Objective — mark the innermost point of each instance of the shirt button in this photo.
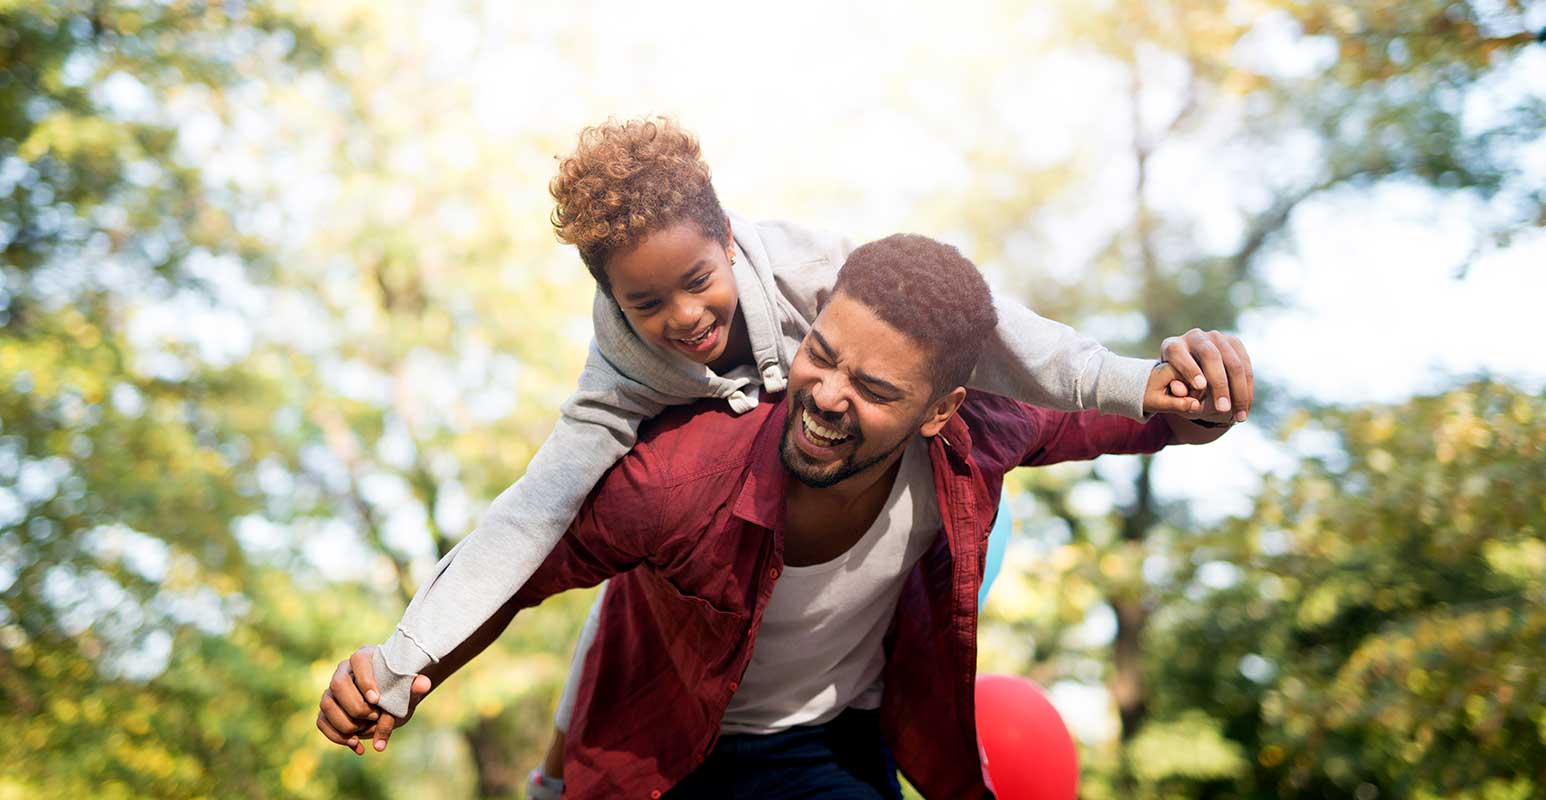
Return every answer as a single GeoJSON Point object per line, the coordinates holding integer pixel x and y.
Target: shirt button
{"type": "Point", "coordinates": [655, 795]}
{"type": "Point", "coordinates": [773, 573]}
{"type": "Point", "coordinates": [698, 758]}
{"type": "Point", "coordinates": [734, 686]}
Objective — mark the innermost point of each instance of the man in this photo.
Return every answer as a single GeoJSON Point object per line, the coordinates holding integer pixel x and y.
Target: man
{"type": "Point", "coordinates": [777, 636]}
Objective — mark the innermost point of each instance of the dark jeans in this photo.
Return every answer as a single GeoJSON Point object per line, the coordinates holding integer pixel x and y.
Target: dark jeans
{"type": "Point", "coordinates": [844, 759]}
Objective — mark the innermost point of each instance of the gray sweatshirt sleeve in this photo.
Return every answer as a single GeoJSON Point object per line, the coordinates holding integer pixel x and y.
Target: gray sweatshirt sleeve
{"type": "Point", "coordinates": [1038, 361]}
{"type": "Point", "coordinates": [598, 425]}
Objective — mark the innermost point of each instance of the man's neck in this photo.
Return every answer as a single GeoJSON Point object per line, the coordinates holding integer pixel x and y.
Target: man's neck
{"type": "Point", "coordinates": [822, 524]}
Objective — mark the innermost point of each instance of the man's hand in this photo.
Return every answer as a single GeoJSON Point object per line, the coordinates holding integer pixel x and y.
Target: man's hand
{"type": "Point", "coordinates": [346, 714]}
{"type": "Point", "coordinates": [1206, 374]}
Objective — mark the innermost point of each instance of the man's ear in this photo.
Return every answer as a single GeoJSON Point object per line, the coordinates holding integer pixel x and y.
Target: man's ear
{"type": "Point", "coordinates": [729, 235]}
{"type": "Point", "coordinates": [941, 410]}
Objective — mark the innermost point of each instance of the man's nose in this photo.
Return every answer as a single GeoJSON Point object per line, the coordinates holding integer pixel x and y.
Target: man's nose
{"type": "Point", "coordinates": [830, 397]}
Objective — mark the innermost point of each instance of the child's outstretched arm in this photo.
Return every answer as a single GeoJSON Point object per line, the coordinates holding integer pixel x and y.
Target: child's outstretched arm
{"type": "Point", "coordinates": [1031, 359]}
{"type": "Point", "coordinates": [599, 424]}
{"type": "Point", "coordinates": [1046, 363]}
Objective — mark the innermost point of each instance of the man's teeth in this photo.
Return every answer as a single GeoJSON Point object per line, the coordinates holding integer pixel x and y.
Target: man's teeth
{"type": "Point", "coordinates": [830, 436]}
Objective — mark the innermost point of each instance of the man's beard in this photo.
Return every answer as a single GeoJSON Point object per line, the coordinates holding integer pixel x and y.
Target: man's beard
{"type": "Point", "coordinates": [797, 462]}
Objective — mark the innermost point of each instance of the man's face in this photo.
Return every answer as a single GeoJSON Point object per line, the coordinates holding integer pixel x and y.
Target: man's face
{"type": "Point", "coordinates": [676, 289]}
{"type": "Point", "coordinates": [859, 390]}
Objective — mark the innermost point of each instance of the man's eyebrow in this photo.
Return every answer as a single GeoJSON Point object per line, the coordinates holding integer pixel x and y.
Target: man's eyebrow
{"type": "Point", "coordinates": [820, 340]}
{"type": "Point", "coordinates": [882, 385]}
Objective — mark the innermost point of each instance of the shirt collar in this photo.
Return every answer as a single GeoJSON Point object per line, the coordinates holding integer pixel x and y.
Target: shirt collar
{"type": "Point", "coordinates": [767, 482]}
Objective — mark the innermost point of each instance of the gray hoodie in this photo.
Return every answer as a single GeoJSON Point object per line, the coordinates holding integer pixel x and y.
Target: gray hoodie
{"type": "Point", "coordinates": [784, 274]}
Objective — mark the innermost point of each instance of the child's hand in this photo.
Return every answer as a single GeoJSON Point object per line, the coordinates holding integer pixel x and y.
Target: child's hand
{"type": "Point", "coordinates": [346, 714]}
{"type": "Point", "coordinates": [1206, 374]}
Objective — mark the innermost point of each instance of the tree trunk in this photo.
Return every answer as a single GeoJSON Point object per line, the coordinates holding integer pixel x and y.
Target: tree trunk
{"type": "Point", "coordinates": [499, 777]}
{"type": "Point", "coordinates": [1127, 683]}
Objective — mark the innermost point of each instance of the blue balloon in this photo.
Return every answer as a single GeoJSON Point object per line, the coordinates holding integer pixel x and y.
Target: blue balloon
{"type": "Point", "coordinates": [998, 542]}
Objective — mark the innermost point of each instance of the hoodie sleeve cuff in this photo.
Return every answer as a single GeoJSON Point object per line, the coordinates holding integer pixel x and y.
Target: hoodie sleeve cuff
{"type": "Point", "coordinates": [1120, 385]}
{"type": "Point", "coordinates": [395, 664]}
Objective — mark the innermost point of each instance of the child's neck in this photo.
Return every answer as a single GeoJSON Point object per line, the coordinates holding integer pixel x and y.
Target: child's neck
{"type": "Point", "coordinates": [738, 350]}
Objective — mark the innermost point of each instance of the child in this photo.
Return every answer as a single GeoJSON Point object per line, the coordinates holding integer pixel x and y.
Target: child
{"type": "Point", "coordinates": [694, 303]}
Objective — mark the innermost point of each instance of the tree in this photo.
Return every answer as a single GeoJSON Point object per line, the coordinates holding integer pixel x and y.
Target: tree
{"type": "Point", "coordinates": [124, 462]}
{"type": "Point", "coordinates": [1378, 639]}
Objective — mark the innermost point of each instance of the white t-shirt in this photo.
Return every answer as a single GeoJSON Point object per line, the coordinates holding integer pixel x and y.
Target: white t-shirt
{"type": "Point", "coordinates": [819, 649]}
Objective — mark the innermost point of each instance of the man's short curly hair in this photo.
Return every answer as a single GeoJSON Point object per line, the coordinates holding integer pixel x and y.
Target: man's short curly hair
{"type": "Point", "coordinates": [929, 292]}
{"type": "Point", "coordinates": [627, 180]}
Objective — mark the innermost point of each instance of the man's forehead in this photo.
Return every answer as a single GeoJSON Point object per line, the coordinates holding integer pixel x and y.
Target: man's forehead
{"type": "Point", "coordinates": [853, 331]}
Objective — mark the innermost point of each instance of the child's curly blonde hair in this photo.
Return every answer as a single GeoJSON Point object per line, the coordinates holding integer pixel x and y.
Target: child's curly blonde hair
{"type": "Point", "coordinates": [627, 180]}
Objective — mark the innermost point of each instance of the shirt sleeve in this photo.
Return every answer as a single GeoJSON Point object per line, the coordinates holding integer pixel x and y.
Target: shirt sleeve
{"type": "Point", "coordinates": [1036, 360]}
{"type": "Point", "coordinates": [1060, 436]}
{"type": "Point", "coordinates": [599, 424]}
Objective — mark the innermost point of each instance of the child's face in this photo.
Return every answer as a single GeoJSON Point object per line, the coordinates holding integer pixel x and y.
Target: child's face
{"type": "Point", "coordinates": [676, 289]}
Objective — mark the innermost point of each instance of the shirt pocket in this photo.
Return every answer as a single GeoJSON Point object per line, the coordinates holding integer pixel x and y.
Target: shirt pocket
{"type": "Point", "coordinates": [702, 640]}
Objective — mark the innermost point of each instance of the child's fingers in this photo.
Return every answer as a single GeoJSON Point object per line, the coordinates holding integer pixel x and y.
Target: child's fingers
{"type": "Point", "coordinates": [1168, 404]}
{"type": "Point", "coordinates": [1175, 352]}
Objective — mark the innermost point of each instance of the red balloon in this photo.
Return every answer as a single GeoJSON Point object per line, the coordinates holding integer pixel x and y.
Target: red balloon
{"type": "Point", "coordinates": [1026, 751]}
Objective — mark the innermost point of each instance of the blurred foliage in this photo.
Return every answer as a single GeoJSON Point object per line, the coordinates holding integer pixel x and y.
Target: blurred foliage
{"type": "Point", "coordinates": [1384, 623]}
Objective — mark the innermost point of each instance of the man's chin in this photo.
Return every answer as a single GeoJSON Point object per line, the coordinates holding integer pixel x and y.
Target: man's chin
{"type": "Point", "coordinates": [813, 474]}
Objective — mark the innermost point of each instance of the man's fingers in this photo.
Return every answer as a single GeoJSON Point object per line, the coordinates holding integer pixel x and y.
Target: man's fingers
{"type": "Point", "coordinates": [365, 673]}
{"type": "Point", "coordinates": [347, 694]}
{"type": "Point", "coordinates": [1235, 368]}
{"type": "Point", "coordinates": [1178, 389]}
{"type": "Point", "coordinates": [1175, 352]}
{"type": "Point", "coordinates": [1213, 370]}
{"type": "Point", "coordinates": [384, 728]}
{"type": "Point", "coordinates": [332, 734]}
{"type": "Point", "coordinates": [1248, 396]}
{"type": "Point", "coordinates": [341, 720]}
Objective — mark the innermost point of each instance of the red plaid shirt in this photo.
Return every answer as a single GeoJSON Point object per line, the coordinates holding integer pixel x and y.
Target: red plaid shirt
{"type": "Point", "coordinates": [689, 526]}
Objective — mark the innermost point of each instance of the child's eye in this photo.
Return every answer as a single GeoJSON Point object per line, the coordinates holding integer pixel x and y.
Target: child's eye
{"type": "Point", "coordinates": [650, 305]}
{"type": "Point", "coordinates": [698, 284]}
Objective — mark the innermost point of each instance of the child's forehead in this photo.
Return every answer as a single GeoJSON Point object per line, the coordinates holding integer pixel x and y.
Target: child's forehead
{"type": "Point", "coordinates": [662, 257]}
